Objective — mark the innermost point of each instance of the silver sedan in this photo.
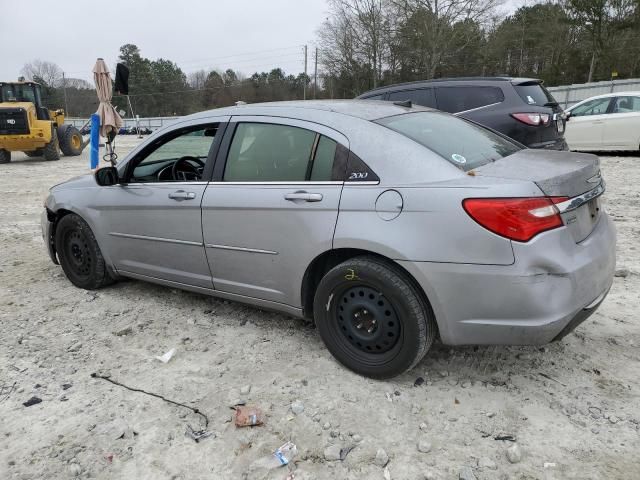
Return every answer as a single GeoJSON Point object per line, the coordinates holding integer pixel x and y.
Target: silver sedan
{"type": "Point", "coordinates": [389, 225]}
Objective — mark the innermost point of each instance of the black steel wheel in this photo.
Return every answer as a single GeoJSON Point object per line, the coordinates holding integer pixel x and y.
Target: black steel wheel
{"type": "Point", "coordinates": [372, 317]}
{"type": "Point", "coordinates": [79, 254]}
{"type": "Point", "coordinates": [367, 319]}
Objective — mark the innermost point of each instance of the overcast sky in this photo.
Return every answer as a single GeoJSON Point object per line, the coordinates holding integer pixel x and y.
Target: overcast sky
{"type": "Point", "coordinates": [246, 35]}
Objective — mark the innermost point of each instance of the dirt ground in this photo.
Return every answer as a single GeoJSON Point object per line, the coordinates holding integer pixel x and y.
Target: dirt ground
{"type": "Point", "coordinates": [573, 408]}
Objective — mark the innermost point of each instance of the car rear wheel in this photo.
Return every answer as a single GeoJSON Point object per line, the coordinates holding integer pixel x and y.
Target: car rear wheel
{"type": "Point", "coordinates": [79, 254]}
{"type": "Point", "coordinates": [372, 318]}
{"type": "Point", "coordinates": [5, 156]}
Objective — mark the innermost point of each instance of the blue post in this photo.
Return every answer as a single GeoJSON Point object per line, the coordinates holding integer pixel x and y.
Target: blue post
{"type": "Point", "coordinates": [95, 141]}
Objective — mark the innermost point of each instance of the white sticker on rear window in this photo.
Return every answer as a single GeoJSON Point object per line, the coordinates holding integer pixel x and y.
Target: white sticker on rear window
{"type": "Point", "coordinates": [456, 157]}
{"type": "Point", "coordinates": [530, 99]}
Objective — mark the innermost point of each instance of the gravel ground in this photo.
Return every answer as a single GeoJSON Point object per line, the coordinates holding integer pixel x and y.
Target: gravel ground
{"type": "Point", "coordinates": [570, 410]}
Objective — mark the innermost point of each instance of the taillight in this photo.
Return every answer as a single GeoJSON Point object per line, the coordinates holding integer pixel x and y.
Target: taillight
{"type": "Point", "coordinates": [518, 219]}
{"type": "Point", "coordinates": [534, 119]}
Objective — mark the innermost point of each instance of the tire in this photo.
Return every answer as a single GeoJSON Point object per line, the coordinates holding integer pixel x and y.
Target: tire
{"type": "Point", "coordinates": [5, 156]}
{"type": "Point", "coordinates": [372, 318]}
{"type": "Point", "coordinates": [79, 254]}
{"type": "Point", "coordinates": [70, 140]}
{"type": "Point", "coordinates": [35, 153]}
{"type": "Point", "coordinates": [51, 150]}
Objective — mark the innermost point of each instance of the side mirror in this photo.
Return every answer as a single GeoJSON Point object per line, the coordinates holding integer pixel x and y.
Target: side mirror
{"type": "Point", "coordinates": [107, 176]}
{"type": "Point", "coordinates": [567, 116]}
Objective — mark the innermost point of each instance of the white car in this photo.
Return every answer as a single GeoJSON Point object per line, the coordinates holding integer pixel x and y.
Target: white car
{"type": "Point", "coordinates": [605, 122]}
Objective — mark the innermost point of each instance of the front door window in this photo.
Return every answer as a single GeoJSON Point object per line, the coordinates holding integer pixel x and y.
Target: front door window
{"type": "Point", "coordinates": [593, 107]}
{"type": "Point", "coordinates": [179, 158]}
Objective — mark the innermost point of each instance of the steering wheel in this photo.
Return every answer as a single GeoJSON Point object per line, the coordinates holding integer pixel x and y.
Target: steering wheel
{"type": "Point", "coordinates": [187, 169]}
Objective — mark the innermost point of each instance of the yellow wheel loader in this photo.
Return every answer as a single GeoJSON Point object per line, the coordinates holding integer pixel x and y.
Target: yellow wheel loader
{"type": "Point", "coordinates": [27, 126]}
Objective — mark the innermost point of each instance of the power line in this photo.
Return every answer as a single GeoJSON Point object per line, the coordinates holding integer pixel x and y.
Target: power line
{"type": "Point", "coordinates": [204, 61]}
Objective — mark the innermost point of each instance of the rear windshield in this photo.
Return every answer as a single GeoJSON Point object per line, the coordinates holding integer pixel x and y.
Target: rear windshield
{"type": "Point", "coordinates": [535, 94]}
{"type": "Point", "coordinates": [461, 143]}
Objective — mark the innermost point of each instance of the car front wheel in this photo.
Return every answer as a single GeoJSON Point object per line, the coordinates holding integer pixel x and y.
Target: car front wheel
{"type": "Point", "coordinates": [79, 254]}
{"type": "Point", "coordinates": [372, 318]}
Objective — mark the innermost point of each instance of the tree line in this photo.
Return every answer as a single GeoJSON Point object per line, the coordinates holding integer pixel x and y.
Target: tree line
{"type": "Point", "coordinates": [369, 43]}
{"type": "Point", "coordinates": [365, 44]}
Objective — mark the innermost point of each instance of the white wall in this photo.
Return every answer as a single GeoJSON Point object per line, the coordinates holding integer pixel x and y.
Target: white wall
{"type": "Point", "coordinates": [567, 95]}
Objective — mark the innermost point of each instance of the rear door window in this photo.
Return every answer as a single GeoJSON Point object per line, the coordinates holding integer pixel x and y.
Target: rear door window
{"type": "Point", "coordinates": [419, 96]}
{"type": "Point", "coordinates": [322, 165]}
{"type": "Point", "coordinates": [264, 152]}
{"type": "Point", "coordinates": [535, 94]}
{"type": "Point", "coordinates": [626, 104]}
{"type": "Point", "coordinates": [461, 143]}
{"type": "Point", "coordinates": [460, 99]}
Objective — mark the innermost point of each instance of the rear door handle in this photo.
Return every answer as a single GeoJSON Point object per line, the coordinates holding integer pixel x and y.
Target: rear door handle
{"type": "Point", "coordinates": [182, 195]}
{"type": "Point", "coordinates": [303, 196]}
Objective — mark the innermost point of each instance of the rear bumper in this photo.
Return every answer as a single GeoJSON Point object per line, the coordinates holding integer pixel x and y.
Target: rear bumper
{"type": "Point", "coordinates": [558, 144]}
{"type": "Point", "coordinates": [553, 286]}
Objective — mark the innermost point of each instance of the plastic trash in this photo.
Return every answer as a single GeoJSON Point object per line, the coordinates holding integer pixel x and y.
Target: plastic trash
{"type": "Point", "coordinates": [167, 356]}
{"type": "Point", "coordinates": [248, 416]}
{"type": "Point", "coordinates": [281, 457]}
{"type": "Point", "coordinates": [198, 435]}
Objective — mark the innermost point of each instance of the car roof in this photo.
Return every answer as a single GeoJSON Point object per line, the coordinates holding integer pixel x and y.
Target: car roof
{"type": "Point", "coordinates": [512, 80]}
{"type": "Point", "coordinates": [362, 109]}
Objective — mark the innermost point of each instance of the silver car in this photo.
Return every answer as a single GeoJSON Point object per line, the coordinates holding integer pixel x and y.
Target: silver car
{"type": "Point", "coordinates": [389, 225]}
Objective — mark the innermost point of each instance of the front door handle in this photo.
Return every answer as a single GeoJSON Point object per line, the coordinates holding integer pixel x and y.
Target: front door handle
{"type": "Point", "coordinates": [182, 195]}
{"type": "Point", "coordinates": [303, 196]}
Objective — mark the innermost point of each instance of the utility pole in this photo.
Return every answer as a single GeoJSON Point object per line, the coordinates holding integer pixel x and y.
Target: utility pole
{"type": "Point", "coordinates": [304, 85]}
{"type": "Point", "coordinates": [315, 75]}
{"type": "Point", "coordinates": [64, 89]}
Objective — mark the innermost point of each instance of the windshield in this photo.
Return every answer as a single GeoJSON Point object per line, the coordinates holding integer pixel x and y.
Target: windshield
{"type": "Point", "coordinates": [535, 94]}
{"type": "Point", "coordinates": [461, 143]}
{"type": "Point", "coordinates": [17, 92]}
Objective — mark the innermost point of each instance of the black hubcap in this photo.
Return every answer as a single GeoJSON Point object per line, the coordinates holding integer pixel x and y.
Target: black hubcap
{"type": "Point", "coordinates": [78, 253]}
{"type": "Point", "coordinates": [368, 320]}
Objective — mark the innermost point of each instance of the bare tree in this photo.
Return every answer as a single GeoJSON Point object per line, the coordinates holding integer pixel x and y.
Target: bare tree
{"type": "Point", "coordinates": [47, 72]}
{"type": "Point", "coordinates": [358, 32]}
{"type": "Point", "coordinates": [433, 24]}
{"type": "Point", "coordinates": [197, 79]}
{"type": "Point", "coordinates": [78, 83]}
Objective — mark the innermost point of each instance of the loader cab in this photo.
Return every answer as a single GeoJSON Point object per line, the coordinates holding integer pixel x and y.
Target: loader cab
{"type": "Point", "coordinates": [24, 92]}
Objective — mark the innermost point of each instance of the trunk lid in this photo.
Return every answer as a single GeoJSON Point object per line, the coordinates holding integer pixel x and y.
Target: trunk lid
{"type": "Point", "coordinates": [557, 174]}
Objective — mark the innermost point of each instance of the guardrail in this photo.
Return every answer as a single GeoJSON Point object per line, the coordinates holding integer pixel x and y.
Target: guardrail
{"type": "Point", "coordinates": [568, 95]}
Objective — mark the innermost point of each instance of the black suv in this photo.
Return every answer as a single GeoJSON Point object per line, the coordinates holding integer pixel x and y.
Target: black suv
{"type": "Point", "coordinates": [520, 108]}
